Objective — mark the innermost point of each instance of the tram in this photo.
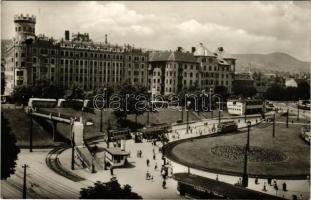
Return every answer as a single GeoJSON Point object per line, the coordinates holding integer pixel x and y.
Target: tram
{"type": "Point", "coordinates": [226, 127]}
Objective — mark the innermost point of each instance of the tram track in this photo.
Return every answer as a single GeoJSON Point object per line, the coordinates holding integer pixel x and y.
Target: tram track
{"type": "Point", "coordinates": [54, 164]}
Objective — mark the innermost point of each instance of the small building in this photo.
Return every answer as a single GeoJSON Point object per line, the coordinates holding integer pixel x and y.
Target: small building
{"type": "Point", "coordinates": [116, 157]}
{"type": "Point", "coordinates": [246, 106]}
{"type": "Point", "coordinates": [291, 82]}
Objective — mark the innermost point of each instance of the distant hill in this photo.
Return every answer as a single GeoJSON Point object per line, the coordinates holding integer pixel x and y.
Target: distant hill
{"type": "Point", "coordinates": [272, 62]}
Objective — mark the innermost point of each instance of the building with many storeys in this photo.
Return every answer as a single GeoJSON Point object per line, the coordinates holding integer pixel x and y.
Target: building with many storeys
{"type": "Point", "coordinates": [172, 71]}
{"type": "Point", "coordinates": [66, 62]}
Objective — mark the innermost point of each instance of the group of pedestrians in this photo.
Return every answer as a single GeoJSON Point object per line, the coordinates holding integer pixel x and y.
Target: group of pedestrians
{"type": "Point", "coordinates": [139, 154]}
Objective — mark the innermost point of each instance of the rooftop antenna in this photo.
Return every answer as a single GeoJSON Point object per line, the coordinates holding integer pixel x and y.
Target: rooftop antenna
{"type": "Point", "coordinates": [249, 68]}
{"type": "Point", "coordinates": [106, 38]}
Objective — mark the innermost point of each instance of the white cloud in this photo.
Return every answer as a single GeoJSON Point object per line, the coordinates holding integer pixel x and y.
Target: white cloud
{"type": "Point", "coordinates": [254, 27]}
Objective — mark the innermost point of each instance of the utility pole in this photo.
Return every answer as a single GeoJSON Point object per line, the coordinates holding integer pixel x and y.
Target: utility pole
{"type": "Point", "coordinates": [25, 184]}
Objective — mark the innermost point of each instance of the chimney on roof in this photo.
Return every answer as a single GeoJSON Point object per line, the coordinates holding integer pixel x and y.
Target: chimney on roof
{"type": "Point", "coordinates": [221, 49]}
{"type": "Point", "coordinates": [106, 39]}
{"type": "Point", "coordinates": [192, 49]}
{"type": "Point", "coordinates": [179, 49]}
{"type": "Point", "coordinates": [67, 37]}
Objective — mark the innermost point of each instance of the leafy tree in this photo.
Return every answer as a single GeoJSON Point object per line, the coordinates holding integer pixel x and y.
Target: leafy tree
{"type": "Point", "coordinates": [222, 91]}
{"type": "Point", "coordinates": [128, 94]}
{"type": "Point", "coordinates": [41, 89]}
{"type": "Point", "coordinates": [244, 90]}
{"type": "Point", "coordinates": [9, 150]}
{"type": "Point", "coordinates": [21, 94]}
{"type": "Point", "coordinates": [275, 92]}
{"type": "Point", "coordinates": [74, 92]}
{"type": "Point", "coordinates": [109, 190]}
{"type": "Point", "coordinates": [2, 82]}
{"type": "Point", "coordinates": [303, 90]}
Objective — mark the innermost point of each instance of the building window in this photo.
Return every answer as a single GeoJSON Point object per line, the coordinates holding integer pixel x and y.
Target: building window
{"type": "Point", "coordinates": [20, 73]}
{"type": "Point", "coordinates": [34, 60]}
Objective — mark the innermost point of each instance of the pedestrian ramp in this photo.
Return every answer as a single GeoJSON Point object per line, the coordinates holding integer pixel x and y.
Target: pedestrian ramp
{"type": "Point", "coordinates": [85, 156]}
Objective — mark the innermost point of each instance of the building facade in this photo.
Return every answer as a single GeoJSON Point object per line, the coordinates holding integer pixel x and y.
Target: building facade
{"type": "Point", "coordinates": [90, 65]}
{"type": "Point", "coordinates": [172, 71]}
{"type": "Point", "coordinates": [66, 62]}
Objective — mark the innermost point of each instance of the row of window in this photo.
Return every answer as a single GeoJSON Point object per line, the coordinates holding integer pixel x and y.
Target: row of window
{"type": "Point", "coordinates": [25, 29]}
{"type": "Point", "coordinates": [91, 55]}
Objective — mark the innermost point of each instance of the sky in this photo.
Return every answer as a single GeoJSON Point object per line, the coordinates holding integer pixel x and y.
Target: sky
{"type": "Point", "coordinates": [239, 27]}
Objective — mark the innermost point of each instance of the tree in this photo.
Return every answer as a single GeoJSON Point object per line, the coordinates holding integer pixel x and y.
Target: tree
{"type": "Point", "coordinates": [9, 150]}
{"type": "Point", "coordinates": [21, 94]}
{"type": "Point", "coordinates": [74, 92]}
{"type": "Point", "coordinates": [303, 90]}
{"type": "Point", "coordinates": [244, 90]}
{"type": "Point", "coordinates": [2, 81]}
{"type": "Point", "coordinates": [109, 190]}
{"type": "Point", "coordinates": [275, 93]}
{"type": "Point", "coordinates": [222, 91]}
{"type": "Point", "coordinates": [128, 95]}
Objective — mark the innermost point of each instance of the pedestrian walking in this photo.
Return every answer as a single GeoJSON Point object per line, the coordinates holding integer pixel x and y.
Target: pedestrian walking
{"type": "Point", "coordinates": [284, 187]}
{"type": "Point", "coordinates": [256, 180]}
{"type": "Point", "coordinates": [147, 175]}
{"type": "Point", "coordinates": [111, 171]}
{"type": "Point", "coordinates": [217, 177]}
{"type": "Point", "coordinates": [147, 161]}
{"type": "Point", "coordinates": [264, 187]}
{"type": "Point", "coordinates": [154, 156]}
{"type": "Point", "coordinates": [164, 184]}
{"type": "Point", "coordinates": [269, 181]}
{"type": "Point", "coordinates": [155, 166]}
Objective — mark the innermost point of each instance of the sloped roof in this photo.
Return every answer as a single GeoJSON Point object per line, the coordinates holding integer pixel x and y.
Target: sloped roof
{"type": "Point", "coordinates": [222, 62]}
{"type": "Point", "coordinates": [222, 54]}
{"type": "Point", "coordinates": [171, 56]}
{"type": "Point", "coordinates": [201, 50]}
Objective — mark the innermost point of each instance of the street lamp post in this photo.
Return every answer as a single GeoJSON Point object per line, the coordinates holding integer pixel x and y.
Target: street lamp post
{"type": "Point", "coordinates": [287, 118]}
{"type": "Point", "coordinates": [30, 133]}
{"type": "Point", "coordinates": [148, 110]}
{"type": "Point", "coordinates": [245, 112]}
{"type": "Point", "coordinates": [248, 130]}
{"type": "Point", "coordinates": [298, 111]}
{"type": "Point", "coordinates": [93, 167]}
{"type": "Point", "coordinates": [188, 103]}
{"type": "Point", "coordinates": [245, 175]}
{"type": "Point", "coordinates": [219, 116]}
{"type": "Point", "coordinates": [182, 113]}
{"type": "Point", "coordinates": [273, 127]}
{"type": "Point", "coordinates": [101, 111]}
{"type": "Point", "coordinates": [72, 149]}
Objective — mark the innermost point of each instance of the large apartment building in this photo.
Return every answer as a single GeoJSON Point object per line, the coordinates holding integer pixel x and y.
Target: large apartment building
{"type": "Point", "coordinates": [172, 71]}
{"type": "Point", "coordinates": [65, 62]}
{"type": "Point", "coordinates": [80, 61]}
